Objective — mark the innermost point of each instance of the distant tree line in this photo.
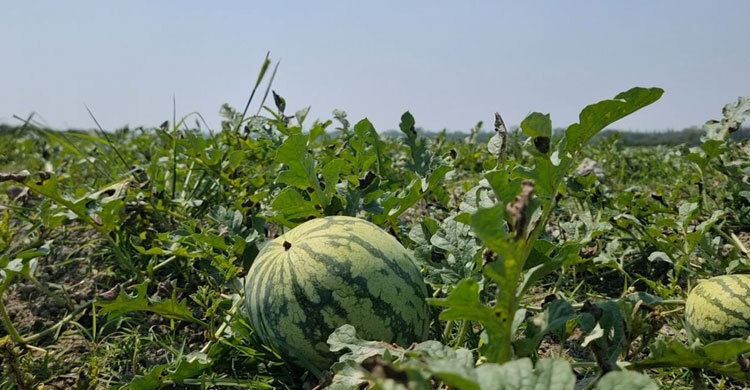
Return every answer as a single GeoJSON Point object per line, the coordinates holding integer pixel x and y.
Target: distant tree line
{"type": "Point", "coordinates": [690, 136]}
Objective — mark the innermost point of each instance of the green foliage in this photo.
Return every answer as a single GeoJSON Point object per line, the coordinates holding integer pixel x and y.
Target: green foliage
{"type": "Point", "coordinates": [728, 357]}
{"type": "Point", "coordinates": [125, 303]}
{"type": "Point", "coordinates": [386, 366]}
{"type": "Point", "coordinates": [510, 228]}
{"type": "Point", "coordinates": [545, 251]}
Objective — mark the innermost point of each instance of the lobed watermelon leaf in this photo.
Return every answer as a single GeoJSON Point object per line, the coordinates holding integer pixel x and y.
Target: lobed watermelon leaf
{"type": "Point", "coordinates": [734, 115]}
{"type": "Point", "coordinates": [723, 356]}
{"type": "Point", "coordinates": [596, 117]}
{"type": "Point", "coordinates": [300, 167]}
{"type": "Point", "coordinates": [432, 360]}
{"type": "Point", "coordinates": [554, 319]}
{"type": "Point", "coordinates": [625, 380]}
{"type": "Point", "coordinates": [537, 125]}
{"type": "Point", "coordinates": [188, 366]}
{"type": "Point", "coordinates": [168, 308]}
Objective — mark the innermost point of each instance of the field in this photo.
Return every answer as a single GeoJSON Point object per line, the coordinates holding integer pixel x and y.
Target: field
{"type": "Point", "coordinates": [548, 256]}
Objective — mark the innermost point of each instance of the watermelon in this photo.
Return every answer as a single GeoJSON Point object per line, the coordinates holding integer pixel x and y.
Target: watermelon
{"type": "Point", "coordinates": [719, 308]}
{"type": "Point", "coordinates": [328, 272]}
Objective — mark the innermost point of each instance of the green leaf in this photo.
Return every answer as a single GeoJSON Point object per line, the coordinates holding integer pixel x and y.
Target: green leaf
{"type": "Point", "coordinates": [10, 268]}
{"type": "Point", "coordinates": [463, 303]}
{"type": "Point", "coordinates": [235, 158]}
{"type": "Point", "coordinates": [694, 237]}
{"type": "Point", "coordinates": [505, 269]}
{"type": "Point", "coordinates": [211, 240]}
{"type": "Point", "coordinates": [625, 380]}
{"type": "Point", "coordinates": [345, 337]}
{"type": "Point", "coordinates": [187, 367]}
{"type": "Point", "coordinates": [407, 125]}
{"type": "Point", "coordinates": [688, 212]}
{"type": "Point", "coordinates": [504, 188]}
{"type": "Point", "coordinates": [332, 172]}
{"type": "Point", "coordinates": [367, 148]}
{"type": "Point", "coordinates": [420, 157]}
{"type": "Point", "coordinates": [397, 203]}
{"type": "Point", "coordinates": [553, 319]}
{"type": "Point", "coordinates": [495, 144]}
{"type": "Point", "coordinates": [152, 380]}
{"type": "Point", "coordinates": [490, 226]}
{"type": "Point", "coordinates": [168, 308]}
{"type": "Point", "coordinates": [720, 356]}
{"type": "Point", "coordinates": [348, 375]}
{"type": "Point", "coordinates": [597, 116]}
{"type": "Point", "coordinates": [539, 264]}
{"type": "Point", "coordinates": [537, 125]}
{"type": "Point", "coordinates": [431, 360]}
{"type": "Point", "coordinates": [436, 176]}
{"type": "Point", "coordinates": [545, 175]}
{"type": "Point", "coordinates": [520, 374]}
{"type": "Point", "coordinates": [734, 115]}
{"type": "Point", "coordinates": [49, 189]}
{"type": "Point", "coordinates": [436, 350]}
{"type": "Point", "coordinates": [111, 214]}
{"type": "Point", "coordinates": [32, 253]}
{"type": "Point", "coordinates": [642, 296]}
{"type": "Point", "coordinates": [659, 256]}
{"type": "Point", "coordinates": [478, 197]}
{"type": "Point", "coordinates": [293, 206]}
{"type": "Point", "coordinates": [300, 170]}
{"type": "Point", "coordinates": [455, 238]}
{"type": "Point", "coordinates": [301, 115]}
{"type": "Point", "coordinates": [300, 167]}
{"type": "Point", "coordinates": [454, 366]}
{"type": "Point", "coordinates": [190, 366]}
{"type": "Point", "coordinates": [713, 148]}
{"type": "Point", "coordinates": [609, 331]}
{"type": "Point", "coordinates": [421, 235]}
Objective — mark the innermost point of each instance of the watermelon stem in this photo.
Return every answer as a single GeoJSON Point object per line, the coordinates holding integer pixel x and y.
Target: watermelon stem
{"type": "Point", "coordinates": [12, 332]}
{"type": "Point", "coordinates": [447, 329]}
{"type": "Point", "coordinates": [462, 330]}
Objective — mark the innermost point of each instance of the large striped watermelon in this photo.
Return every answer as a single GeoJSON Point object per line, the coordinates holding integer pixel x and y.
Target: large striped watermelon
{"type": "Point", "coordinates": [719, 308]}
{"type": "Point", "coordinates": [328, 272]}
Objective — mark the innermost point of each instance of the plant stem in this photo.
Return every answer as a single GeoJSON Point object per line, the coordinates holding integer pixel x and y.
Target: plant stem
{"type": "Point", "coordinates": [462, 333]}
{"type": "Point", "coordinates": [230, 314]}
{"type": "Point", "coordinates": [8, 324]}
{"type": "Point", "coordinates": [584, 365]}
{"type": "Point", "coordinates": [59, 324]}
{"type": "Point", "coordinates": [447, 329]}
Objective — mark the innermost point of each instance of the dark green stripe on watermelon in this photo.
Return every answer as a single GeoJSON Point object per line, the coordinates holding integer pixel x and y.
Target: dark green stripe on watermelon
{"type": "Point", "coordinates": [739, 316]}
{"type": "Point", "coordinates": [381, 307]}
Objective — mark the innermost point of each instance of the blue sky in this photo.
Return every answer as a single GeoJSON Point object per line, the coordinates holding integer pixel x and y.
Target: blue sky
{"type": "Point", "coordinates": [450, 63]}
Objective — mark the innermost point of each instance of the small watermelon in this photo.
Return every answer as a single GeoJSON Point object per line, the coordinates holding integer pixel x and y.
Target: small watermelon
{"type": "Point", "coordinates": [328, 272]}
{"type": "Point", "coordinates": [719, 308]}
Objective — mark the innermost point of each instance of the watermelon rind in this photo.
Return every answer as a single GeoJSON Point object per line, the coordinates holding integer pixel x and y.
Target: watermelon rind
{"type": "Point", "coordinates": [719, 308]}
{"type": "Point", "coordinates": [328, 272]}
